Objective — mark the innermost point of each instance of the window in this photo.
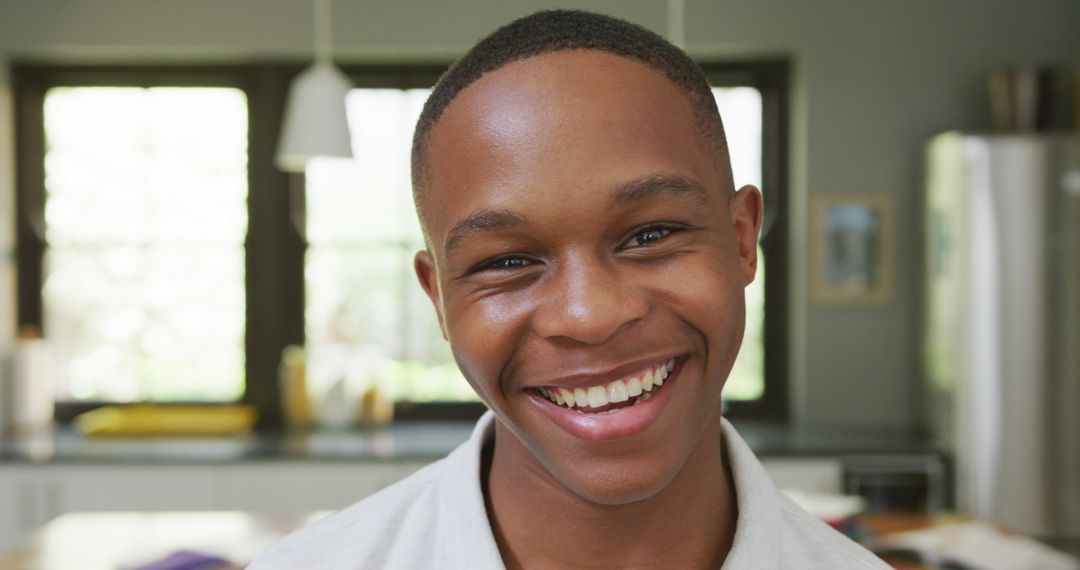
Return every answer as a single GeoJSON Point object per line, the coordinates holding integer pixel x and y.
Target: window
{"type": "Point", "coordinates": [200, 261]}
{"type": "Point", "coordinates": [153, 237]}
{"type": "Point", "coordinates": [740, 107]}
{"type": "Point", "coordinates": [758, 386]}
{"type": "Point", "coordinates": [368, 321]}
{"type": "Point", "coordinates": [139, 306]}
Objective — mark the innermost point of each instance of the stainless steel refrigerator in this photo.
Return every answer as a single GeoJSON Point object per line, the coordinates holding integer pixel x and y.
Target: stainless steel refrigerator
{"type": "Point", "coordinates": [1002, 324]}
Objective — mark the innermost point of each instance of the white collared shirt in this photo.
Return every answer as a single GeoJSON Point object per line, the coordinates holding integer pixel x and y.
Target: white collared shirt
{"type": "Point", "coordinates": [435, 519]}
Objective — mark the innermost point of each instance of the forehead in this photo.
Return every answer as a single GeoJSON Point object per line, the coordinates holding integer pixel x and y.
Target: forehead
{"type": "Point", "coordinates": [582, 118]}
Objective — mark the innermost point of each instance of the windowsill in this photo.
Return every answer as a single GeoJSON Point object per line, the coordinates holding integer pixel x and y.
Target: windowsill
{"type": "Point", "coordinates": [402, 441]}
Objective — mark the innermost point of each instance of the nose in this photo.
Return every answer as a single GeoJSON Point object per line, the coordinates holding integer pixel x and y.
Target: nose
{"type": "Point", "coordinates": [589, 301]}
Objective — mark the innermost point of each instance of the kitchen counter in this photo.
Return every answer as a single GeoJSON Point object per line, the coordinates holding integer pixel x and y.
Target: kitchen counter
{"type": "Point", "coordinates": [62, 471]}
{"type": "Point", "coordinates": [405, 441]}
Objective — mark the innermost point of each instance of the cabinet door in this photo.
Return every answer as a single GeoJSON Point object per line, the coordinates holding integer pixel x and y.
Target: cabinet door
{"type": "Point", "coordinates": [295, 487]}
{"type": "Point", "coordinates": [10, 510]}
{"type": "Point", "coordinates": [133, 488]}
{"type": "Point", "coordinates": [22, 504]}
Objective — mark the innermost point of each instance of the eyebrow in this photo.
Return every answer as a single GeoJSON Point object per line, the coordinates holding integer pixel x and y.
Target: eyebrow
{"type": "Point", "coordinates": [656, 185]}
{"type": "Point", "coordinates": [623, 195]}
{"type": "Point", "coordinates": [484, 220]}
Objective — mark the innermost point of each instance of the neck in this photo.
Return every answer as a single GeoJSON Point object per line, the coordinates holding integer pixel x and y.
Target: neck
{"type": "Point", "coordinates": [538, 522]}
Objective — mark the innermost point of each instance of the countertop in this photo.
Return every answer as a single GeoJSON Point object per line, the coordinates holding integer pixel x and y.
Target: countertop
{"type": "Point", "coordinates": [402, 441]}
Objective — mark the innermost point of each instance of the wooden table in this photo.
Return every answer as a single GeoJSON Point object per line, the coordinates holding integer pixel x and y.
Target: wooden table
{"type": "Point", "coordinates": [111, 541]}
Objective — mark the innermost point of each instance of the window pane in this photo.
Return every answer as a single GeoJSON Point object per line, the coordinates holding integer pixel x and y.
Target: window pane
{"type": "Point", "coordinates": [368, 199]}
{"type": "Point", "coordinates": [146, 214]}
{"type": "Point", "coordinates": [740, 108]}
{"type": "Point", "coordinates": [368, 321]}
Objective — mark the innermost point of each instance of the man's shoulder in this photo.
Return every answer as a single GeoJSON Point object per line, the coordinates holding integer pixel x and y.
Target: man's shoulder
{"type": "Point", "coordinates": [816, 545]}
{"type": "Point", "coordinates": [367, 534]}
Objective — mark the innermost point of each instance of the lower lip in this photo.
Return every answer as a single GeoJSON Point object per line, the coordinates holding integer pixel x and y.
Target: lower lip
{"type": "Point", "coordinates": [624, 423]}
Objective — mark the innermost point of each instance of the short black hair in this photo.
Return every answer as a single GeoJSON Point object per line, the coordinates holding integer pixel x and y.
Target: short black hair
{"type": "Point", "coordinates": [560, 30]}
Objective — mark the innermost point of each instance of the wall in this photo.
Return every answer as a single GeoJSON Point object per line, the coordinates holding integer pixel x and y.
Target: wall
{"type": "Point", "coordinates": [873, 80]}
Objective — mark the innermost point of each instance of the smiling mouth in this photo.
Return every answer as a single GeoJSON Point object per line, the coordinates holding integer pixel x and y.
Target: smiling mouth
{"type": "Point", "coordinates": [614, 396]}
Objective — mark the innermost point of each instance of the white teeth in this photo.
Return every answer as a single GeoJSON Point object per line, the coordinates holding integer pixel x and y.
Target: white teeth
{"type": "Point", "coordinates": [642, 387]}
{"type": "Point", "coordinates": [662, 373]}
{"type": "Point", "coordinates": [633, 386]}
{"type": "Point", "coordinates": [597, 396]}
{"type": "Point", "coordinates": [617, 392]}
{"type": "Point", "coordinates": [647, 380]}
{"type": "Point", "coordinates": [581, 399]}
{"type": "Point", "coordinates": [567, 396]}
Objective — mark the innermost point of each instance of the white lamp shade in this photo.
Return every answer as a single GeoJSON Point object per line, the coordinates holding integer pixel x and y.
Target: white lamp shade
{"type": "Point", "coordinates": [315, 122]}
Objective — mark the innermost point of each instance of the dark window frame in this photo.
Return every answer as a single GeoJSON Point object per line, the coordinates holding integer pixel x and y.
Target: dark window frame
{"type": "Point", "coordinates": [772, 78]}
{"type": "Point", "coordinates": [275, 246]}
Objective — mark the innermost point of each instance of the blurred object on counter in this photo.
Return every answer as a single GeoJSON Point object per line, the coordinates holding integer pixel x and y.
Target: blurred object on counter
{"type": "Point", "coordinates": [131, 540]}
{"type": "Point", "coordinates": [189, 560]}
{"type": "Point", "coordinates": [375, 407]}
{"type": "Point", "coordinates": [350, 385]}
{"type": "Point", "coordinates": [334, 411]}
{"type": "Point", "coordinates": [27, 381]}
{"type": "Point", "coordinates": [167, 420]}
{"type": "Point", "coordinates": [295, 396]}
{"type": "Point", "coordinates": [973, 545]}
{"type": "Point", "coordinates": [1029, 99]}
{"type": "Point", "coordinates": [838, 511]}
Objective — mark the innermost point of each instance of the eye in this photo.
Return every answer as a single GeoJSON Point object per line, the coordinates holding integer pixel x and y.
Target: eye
{"type": "Point", "coordinates": [649, 235]}
{"type": "Point", "coordinates": [504, 264]}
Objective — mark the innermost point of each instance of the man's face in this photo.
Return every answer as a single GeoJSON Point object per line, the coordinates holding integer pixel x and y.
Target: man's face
{"type": "Point", "coordinates": [583, 234]}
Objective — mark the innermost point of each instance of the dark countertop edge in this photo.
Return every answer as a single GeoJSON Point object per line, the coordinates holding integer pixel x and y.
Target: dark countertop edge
{"type": "Point", "coordinates": [418, 442]}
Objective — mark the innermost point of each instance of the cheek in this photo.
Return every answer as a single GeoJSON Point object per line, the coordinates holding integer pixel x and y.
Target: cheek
{"type": "Point", "coordinates": [707, 293]}
{"type": "Point", "coordinates": [483, 335]}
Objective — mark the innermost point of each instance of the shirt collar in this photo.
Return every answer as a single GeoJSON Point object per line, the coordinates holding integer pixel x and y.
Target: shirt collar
{"type": "Point", "coordinates": [758, 533]}
{"type": "Point", "coordinates": [465, 538]}
{"type": "Point", "coordinates": [466, 541]}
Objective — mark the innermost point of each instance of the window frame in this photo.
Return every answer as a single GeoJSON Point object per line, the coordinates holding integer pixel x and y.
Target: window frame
{"type": "Point", "coordinates": [275, 246]}
{"type": "Point", "coordinates": [771, 77]}
{"type": "Point", "coordinates": [272, 246]}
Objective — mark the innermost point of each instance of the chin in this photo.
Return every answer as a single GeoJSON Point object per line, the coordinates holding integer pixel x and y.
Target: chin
{"type": "Point", "coordinates": [619, 483]}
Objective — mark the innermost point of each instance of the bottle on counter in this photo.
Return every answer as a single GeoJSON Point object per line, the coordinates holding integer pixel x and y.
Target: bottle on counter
{"type": "Point", "coordinates": [295, 397]}
{"type": "Point", "coordinates": [28, 384]}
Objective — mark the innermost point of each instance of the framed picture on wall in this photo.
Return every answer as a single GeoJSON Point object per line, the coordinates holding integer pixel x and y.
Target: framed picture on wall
{"type": "Point", "coordinates": [851, 248]}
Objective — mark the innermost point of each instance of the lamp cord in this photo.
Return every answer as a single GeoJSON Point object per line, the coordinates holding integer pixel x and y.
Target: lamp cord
{"type": "Point", "coordinates": [676, 23]}
{"type": "Point", "coordinates": [323, 31]}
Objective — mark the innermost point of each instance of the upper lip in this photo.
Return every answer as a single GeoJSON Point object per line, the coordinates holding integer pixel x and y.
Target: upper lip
{"type": "Point", "coordinates": [586, 379]}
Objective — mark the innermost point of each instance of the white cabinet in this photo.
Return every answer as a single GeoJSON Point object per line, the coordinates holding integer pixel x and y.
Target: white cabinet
{"type": "Point", "coordinates": [290, 487]}
{"type": "Point", "coordinates": [26, 501]}
{"type": "Point", "coordinates": [135, 488]}
{"type": "Point", "coordinates": [12, 509]}
{"type": "Point", "coordinates": [31, 495]}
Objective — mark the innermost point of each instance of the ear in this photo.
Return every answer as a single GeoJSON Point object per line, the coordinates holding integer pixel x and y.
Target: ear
{"type": "Point", "coordinates": [746, 215]}
{"type": "Point", "coordinates": [428, 276]}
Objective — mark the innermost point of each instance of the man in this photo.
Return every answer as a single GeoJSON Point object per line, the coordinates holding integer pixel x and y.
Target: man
{"type": "Point", "coordinates": [587, 254]}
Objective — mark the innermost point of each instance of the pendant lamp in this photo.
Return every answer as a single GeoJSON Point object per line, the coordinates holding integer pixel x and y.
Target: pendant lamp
{"type": "Point", "coordinates": [315, 123]}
